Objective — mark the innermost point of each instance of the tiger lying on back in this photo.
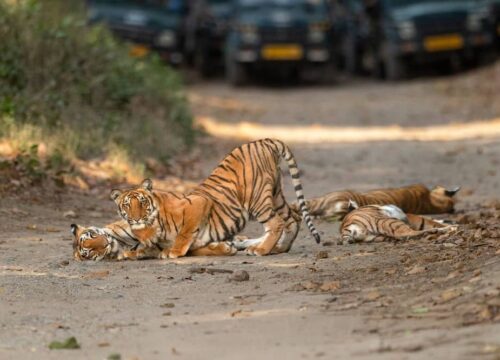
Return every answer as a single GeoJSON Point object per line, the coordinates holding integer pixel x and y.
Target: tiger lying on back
{"type": "Point", "coordinates": [380, 222]}
{"type": "Point", "coordinates": [116, 242]}
{"type": "Point", "coordinates": [415, 199]}
{"type": "Point", "coordinates": [245, 185]}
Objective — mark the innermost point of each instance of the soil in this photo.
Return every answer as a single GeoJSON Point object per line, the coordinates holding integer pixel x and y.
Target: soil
{"type": "Point", "coordinates": [433, 298]}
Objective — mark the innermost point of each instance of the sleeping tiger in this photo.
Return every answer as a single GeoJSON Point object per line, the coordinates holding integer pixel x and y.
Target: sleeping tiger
{"type": "Point", "coordinates": [380, 222]}
{"type": "Point", "coordinates": [415, 199]}
{"type": "Point", "coordinates": [246, 185]}
{"type": "Point", "coordinates": [116, 242]}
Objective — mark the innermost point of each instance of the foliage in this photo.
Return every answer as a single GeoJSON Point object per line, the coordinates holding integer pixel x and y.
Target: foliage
{"type": "Point", "coordinates": [78, 86]}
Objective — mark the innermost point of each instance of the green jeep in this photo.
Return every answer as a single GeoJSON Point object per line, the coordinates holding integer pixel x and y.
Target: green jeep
{"type": "Point", "coordinates": [152, 25]}
{"type": "Point", "coordinates": [278, 35]}
{"type": "Point", "coordinates": [423, 31]}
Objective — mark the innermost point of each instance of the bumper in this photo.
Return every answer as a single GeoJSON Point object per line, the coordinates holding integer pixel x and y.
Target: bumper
{"type": "Point", "coordinates": [283, 53]}
{"type": "Point", "coordinates": [441, 46]}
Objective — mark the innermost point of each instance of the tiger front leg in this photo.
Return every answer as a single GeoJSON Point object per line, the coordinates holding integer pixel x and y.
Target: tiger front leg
{"type": "Point", "coordinates": [180, 248]}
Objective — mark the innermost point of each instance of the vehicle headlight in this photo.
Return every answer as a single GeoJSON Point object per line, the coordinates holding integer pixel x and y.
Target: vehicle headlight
{"type": "Point", "coordinates": [249, 34]}
{"type": "Point", "coordinates": [316, 36]}
{"type": "Point", "coordinates": [166, 38]}
{"type": "Point", "coordinates": [475, 19]}
{"type": "Point", "coordinates": [406, 30]}
{"type": "Point", "coordinates": [317, 31]}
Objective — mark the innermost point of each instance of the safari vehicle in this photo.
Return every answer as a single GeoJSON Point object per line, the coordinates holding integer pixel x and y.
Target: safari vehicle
{"type": "Point", "coordinates": [206, 29]}
{"type": "Point", "coordinates": [495, 10]}
{"type": "Point", "coordinates": [152, 25]}
{"type": "Point", "coordinates": [350, 31]}
{"type": "Point", "coordinates": [403, 32]}
{"type": "Point", "coordinates": [278, 35]}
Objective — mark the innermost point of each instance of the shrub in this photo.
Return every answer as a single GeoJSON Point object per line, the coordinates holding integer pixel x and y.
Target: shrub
{"type": "Point", "coordinates": [78, 86]}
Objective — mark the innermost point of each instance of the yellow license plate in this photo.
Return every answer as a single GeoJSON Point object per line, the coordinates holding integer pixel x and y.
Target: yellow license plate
{"type": "Point", "coordinates": [443, 42]}
{"type": "Point", "coordinates": [282, 52]}
{"type": "Point", "coordinates": [139, 51]}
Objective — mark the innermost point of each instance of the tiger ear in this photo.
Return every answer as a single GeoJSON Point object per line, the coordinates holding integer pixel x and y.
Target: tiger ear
{"type": "Point", "coordinates": [115, 194]}
{"type": "Point", "coordinates": [352, 205]}
{"type": "Point", "coordinates": [74, 229]}
{"type": "Point", "coordinates": [147, 184]}
{"type": "Point", "coordinates": [451, 192]}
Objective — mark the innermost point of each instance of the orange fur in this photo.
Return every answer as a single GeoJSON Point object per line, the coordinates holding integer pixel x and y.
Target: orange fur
{"type": "Point", "coordinates": [379, 222]}
{"type": "Point", "coordinates": [246, 185]}
{"type": "Point", "coordinates": [416, 199]}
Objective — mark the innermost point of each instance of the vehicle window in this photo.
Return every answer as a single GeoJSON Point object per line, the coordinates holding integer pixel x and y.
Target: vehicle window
{"type": "Point", "coordinates": [307, 5]}
{"type": "Point", "coordinates": [399, 3]}
{"type": "Point", "coordinates": [173, 5]}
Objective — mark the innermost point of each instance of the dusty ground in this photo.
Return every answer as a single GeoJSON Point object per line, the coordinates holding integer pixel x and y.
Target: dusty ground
{"type": "Point", "coordinates": [426, 299]}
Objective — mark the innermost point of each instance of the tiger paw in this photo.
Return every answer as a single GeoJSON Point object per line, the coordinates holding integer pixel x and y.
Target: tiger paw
{"type": "Point", "coordinates": [171, 254]}
{"type": "Point", "coordinates": [256, 251]}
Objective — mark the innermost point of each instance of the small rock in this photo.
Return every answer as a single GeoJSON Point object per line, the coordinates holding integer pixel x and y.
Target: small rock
{"type": "Point", "coordinates": [167, 305]}
{"type": "Point", "coordinates": [239, 275]}
{"type": "Point", "coordinates": [322, 254]}
{"type": "Point", "coordinates": [70, 214]}
{"type": "Point", "coordinates": [413, 348]}
{"type": "Point", "coordinates": [330, 286]}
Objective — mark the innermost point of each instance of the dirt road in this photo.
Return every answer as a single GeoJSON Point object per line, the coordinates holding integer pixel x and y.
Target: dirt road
{"type": "Point", "coordinates": [425, 299]}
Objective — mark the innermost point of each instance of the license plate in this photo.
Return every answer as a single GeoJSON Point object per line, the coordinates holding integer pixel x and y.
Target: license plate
{"type": "Point", "coordinates": [443, 42]}
{"type": "Point", "coordinates": [139, 51]}
{"type": "Point", "coordinates": [282, 52]}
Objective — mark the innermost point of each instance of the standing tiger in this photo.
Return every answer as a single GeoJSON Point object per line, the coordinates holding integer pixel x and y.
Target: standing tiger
{"type": "Point", "coordinates": [415, 199]}
{"type": "Point", "coordinates": [380, 222]}
{"type": "Point", "coordinates": [116, 242]}
{"type": "Point", "coordinates": [245, 185]}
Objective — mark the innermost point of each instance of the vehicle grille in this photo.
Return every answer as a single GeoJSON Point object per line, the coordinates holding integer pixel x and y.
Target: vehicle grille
{"type": "Point", "coordinates": [282, 34]}
{"type": "Point", "coordinates": [135, 34]}
{"type": "Point", "coordinates": [442, 24]}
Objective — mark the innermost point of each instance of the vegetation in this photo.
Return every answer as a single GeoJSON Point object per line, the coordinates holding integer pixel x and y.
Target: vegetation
{"type": "Point", "coordinates": [75, 90]}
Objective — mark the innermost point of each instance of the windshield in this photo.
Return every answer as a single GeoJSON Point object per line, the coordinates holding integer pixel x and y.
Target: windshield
{"type": "Point", "coordinates": [307, 5]}
{"type": "Point", "coordinates": [172, 5]}
{"type": "Point", "coordinates": [400, 3]}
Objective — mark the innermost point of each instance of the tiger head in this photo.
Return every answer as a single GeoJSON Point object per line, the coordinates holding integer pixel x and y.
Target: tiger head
{"type": "Point", "coordinates": [442, 198]}
{"type": "Point", "coordinates": [92, 243]}
{"type": "Point", "coordinates": [136, 206]}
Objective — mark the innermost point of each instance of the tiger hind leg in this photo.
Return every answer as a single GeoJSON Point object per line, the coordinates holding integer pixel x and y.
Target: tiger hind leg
{"type": "Point", "coordinates": [272, 221]}
{"type": "Point", "coordinates": [223, 248]}
{"type": "Point", "coordinates": [292, 224]}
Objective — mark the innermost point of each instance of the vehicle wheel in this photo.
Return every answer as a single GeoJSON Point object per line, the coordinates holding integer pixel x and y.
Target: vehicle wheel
{"type": "Point", "coordinates": [329, 74]}
{"type": "Point", "coordinates": [351, 57]}
{"type": "Point", "coordinates": [236, 73]}
{"type": "Point", "coordinates": [202, 62]}
{"type": "Point", "coordinates": [395, 68]}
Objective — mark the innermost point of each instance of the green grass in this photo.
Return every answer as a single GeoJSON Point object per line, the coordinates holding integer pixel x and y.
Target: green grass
{"type": "Point", "coordinates": [75, 89]}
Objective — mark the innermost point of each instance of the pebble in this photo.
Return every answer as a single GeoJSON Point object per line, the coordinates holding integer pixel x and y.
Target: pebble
{"type": "Point", "coordinates": [239, 275]}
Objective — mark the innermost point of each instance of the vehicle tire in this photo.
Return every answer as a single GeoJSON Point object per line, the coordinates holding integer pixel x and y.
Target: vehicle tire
{"type": "Point", "coordinates": [236, 73]}
{"type": "Point", "coordinates": [329, 74]}
{"type": "Point", "coordinates": [395, 68]}
{"type": "Point", "coordinates": [352, 61]}
{"type": "Point", "coordinates": [202, 62]}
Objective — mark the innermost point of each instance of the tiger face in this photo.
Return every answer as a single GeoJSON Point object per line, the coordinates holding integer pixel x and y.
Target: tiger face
{"type": "Point", "coordinates": [136, 206]}
{"type": "Point", "coordinates": [443, 198]}
{"type": "Point", "coordinates": [91, 243]}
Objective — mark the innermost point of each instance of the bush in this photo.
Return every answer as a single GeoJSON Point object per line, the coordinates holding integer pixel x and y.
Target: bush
{"type": "Point", "coordinates": [78, 86]}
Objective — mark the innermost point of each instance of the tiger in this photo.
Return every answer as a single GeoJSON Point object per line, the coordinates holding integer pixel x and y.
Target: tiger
{"type": "Point", "coordinates": [379, 222]}
{"type": "Point", "coordinates": [415, 199]}
{"type": "Point", "coordinates": [246, 185]}
{"type": "Point", "coordinates": [116, 242]}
